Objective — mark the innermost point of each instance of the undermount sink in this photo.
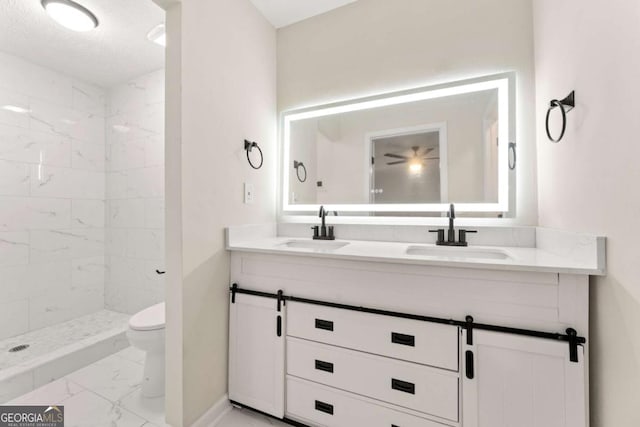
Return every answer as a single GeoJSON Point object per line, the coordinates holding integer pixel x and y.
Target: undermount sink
{"type": "Point", "coordinates": [457, 252]}
{"type": "Point", "coordinates": [316, 245]}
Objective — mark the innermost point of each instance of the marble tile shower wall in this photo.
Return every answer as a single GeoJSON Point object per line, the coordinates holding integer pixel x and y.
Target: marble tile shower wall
{"type": "Point", "coordinates": [52, 197]}
{"type": "Point", "coordinates": [135, 194]}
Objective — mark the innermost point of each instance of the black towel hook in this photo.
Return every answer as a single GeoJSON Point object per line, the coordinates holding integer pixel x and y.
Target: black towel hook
{"type": "Point", "coordinates": [565, 105]}
{"type": "Point", "coordinates": [248, 146]}
{"type": "Point", "coordinates": [297, 166]}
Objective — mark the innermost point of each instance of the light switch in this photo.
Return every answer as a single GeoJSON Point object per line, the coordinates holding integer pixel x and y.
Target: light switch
{"type": "Point", "coordinates": [248, 193]}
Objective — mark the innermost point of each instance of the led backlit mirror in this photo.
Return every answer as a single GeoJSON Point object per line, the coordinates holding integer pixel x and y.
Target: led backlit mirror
{"type": "Point", "coordinates": [403, 153]}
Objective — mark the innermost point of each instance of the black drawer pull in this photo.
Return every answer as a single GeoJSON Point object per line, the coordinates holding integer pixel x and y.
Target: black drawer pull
{"type": "Point", "coordinates": [470, 372]}
{"type": "Point", "coordinates": [326, 325]}
{"type": "Point", "coordinates": [324, 407]}
{"type": "Point", "coordinates": [402, 339]}
{"type": "Point", "coordinates": [403, 386]}
{"type": "Point", "coordinates": [324, 366]}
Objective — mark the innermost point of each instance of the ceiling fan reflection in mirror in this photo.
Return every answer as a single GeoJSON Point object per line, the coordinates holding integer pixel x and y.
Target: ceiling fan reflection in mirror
{"type": "Point", "coordinates": [416, 162]}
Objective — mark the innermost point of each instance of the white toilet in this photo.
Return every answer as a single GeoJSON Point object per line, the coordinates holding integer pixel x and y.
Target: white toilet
{"type": "Point", "coordinates": [146, 332]}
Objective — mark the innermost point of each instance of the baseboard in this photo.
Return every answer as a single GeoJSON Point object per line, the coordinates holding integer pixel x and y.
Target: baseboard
{"type": "Point", "coordinates": [214, 414]}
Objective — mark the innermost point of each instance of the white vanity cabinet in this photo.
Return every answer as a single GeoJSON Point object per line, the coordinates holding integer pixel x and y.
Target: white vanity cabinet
{"type": "Point", "coordinates": [523, 381]}
{"type": "Point", "coordinates": [256, 353]}
{"type": "Point", "coordinates": [385, 345]}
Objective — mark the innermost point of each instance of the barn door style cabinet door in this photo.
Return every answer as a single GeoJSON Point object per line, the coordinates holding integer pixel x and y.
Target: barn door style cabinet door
{"type": "Point", "coordinates": [512, 380]}
{"type": "Point", "coordinates": [256, 353]}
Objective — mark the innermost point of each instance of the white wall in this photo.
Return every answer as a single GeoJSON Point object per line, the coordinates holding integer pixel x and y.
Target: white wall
{"type": "Point", "coordinates": [227, 72]}
{"type": "Point", "coordinates": [52, 192]}
{"type": "Point", "coordinates": [135, 193]}
{"type": "Point", "coordinates": [589, 181]}
{"type": "Point", "coordinates": [174, 406]}
{"type": "Point", "coordinates": [374, 46]}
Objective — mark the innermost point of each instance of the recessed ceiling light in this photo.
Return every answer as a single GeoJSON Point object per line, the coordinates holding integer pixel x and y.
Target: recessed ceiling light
{"type": "Point", "coordinates": [16, 109]}
{"type": "Point", "coordinates": [70, 14]}
{"type": "Point", "coordinates": [158, 35]}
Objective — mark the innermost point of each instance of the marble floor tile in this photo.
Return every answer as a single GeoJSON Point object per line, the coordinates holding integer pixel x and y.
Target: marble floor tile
{"type": "Point", "coordinates": [112, 378]}
{"type": "Point", "coordinates": [107, 393]}
{"type": "Point", "coordinates": [133, 354]}
{"type": "Point", "coordinates": [247, 418]}
{"type": "Point", "coordinates": [151, 409]}
{"type": "Point", "coordinates": [84, 394]}
{"type": "Point", "coordinates": [53, 393]}
{"type": "Point", "coordinates": [87, 409]}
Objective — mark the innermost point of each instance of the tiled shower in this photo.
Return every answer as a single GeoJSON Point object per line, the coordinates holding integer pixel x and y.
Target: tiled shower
{"type": "Point", "coordinates": [81, 199]}
{"type": "Point", "coordinates": [52, 197]}
{"type": "Point", "coordinates": [135, 194]}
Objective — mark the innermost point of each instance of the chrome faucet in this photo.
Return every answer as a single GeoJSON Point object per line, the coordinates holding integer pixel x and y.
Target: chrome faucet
{"type": "Point", "coordinates": [323, 232]}
{"type": "Point", "coordinates": [451, 232]}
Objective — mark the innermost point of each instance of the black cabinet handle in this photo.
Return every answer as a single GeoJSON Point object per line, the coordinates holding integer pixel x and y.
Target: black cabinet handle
{"type": "Point", "coordinates": [279, 326]}
{"type": "Point", "coordinates": [324, 366]}
{"type": "Point", "coordinates": [403, 386]}
{"type": "Point", "coordinates": [402, 339]}
{"type": "Point", "coordinates": [324, 407]}
{"type": "Point", "coordinates": [469, 371]}
{"type": "Point", "coordinates": [325, 325]}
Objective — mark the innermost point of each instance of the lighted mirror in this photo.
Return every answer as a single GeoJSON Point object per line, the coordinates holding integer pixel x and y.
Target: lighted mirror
{"type": "Point", "coordinates": [407, 152]}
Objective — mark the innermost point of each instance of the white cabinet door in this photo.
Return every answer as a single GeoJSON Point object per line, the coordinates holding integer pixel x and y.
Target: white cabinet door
{"type": "Point", "coordinates": [256, 354]}
{"type": "Point", "coordinates": [523, 382]}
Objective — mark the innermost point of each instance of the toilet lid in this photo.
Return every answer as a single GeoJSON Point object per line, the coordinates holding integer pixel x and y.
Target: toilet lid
{"type": "Point", "coordinates": [148, 319]}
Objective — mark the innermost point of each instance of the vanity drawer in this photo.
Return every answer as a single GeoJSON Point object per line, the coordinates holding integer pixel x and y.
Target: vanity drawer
{"type": "Point", "coordinates": [412, 340]}
{"type": "Point", "coordinates": [323, 406]}
{"type": "Point", "coordinates": [421, 388]}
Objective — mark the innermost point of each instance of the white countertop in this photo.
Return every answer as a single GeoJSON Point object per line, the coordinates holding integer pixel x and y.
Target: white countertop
{"type": "Point", "coordinates": [587, 257]}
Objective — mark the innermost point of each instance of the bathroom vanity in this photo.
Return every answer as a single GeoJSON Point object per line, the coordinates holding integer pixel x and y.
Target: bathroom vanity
{"type": "Point", "coordinates": [398, 322]}
{"type": "Point", "coordinates": [389, 333]}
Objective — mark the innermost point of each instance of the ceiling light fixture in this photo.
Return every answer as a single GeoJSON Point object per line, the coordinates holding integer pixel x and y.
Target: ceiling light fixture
{"type": "Point", "coordinates": [70, 14]}
{"type": "Point", "coordinates": [16, 109]}
{"type": "Point", "coordinates": [158, 35]}
{"type": "Point", "coordinates": [415, 167]}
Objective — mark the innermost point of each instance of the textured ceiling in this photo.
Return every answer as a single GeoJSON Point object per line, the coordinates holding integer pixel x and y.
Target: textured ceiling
{"type": "Point", "coordinates": [113, 53]}
{"type": "Point", "coordinates": [286, 12]}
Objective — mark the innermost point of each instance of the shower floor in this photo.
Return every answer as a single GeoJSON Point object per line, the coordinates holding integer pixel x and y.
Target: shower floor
{"type": "Point", "coordinates": [57, 350]}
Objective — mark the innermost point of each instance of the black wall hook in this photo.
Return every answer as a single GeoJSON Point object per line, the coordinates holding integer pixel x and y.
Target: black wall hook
{"type": "Point", "coordinates": [248, 146]}
{"type": "Point", "coordinates": [567, 104]}
{"type": "Point", "coordinates": [297, 166]}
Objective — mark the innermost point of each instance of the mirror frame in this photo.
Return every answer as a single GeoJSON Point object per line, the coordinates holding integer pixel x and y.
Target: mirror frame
{"type": "Point", "coordinates": [504, 83]}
